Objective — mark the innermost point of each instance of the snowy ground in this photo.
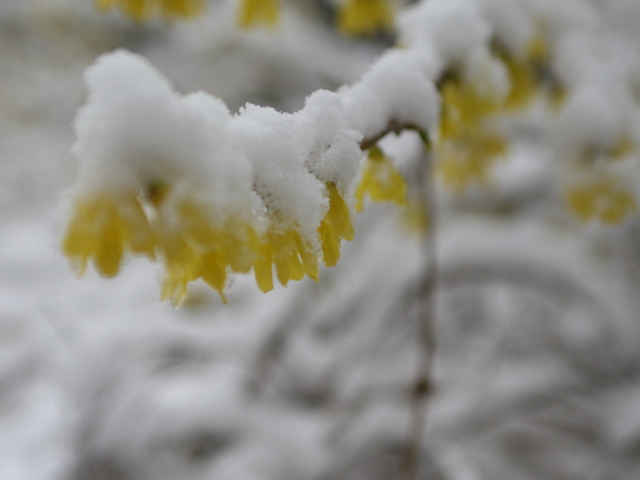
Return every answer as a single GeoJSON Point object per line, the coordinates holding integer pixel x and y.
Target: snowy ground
{"type": "Point", "coordinates": [537, 361]}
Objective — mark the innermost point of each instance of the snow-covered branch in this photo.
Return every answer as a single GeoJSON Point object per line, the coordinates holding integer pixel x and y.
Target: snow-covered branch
{"type": "Point", "coordinates": [209, 193]}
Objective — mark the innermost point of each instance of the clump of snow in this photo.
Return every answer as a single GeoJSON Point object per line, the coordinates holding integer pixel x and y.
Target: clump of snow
{"type": "Point", "coordinates": [397, 90]}
{"type": "Point", "coordinates": [511, 24]}
{"type": "Point", "coordinates": [331, 147]}
{"type": "Point", "coordinates": [486, 74]}
{"type": "Point", "coordinates": [454, 26]}
{"type": "Point", "coordinates": [135, 130]}
{"type": "Point", "coordinates": [289, 191]}
{"type": "Point", "coordinates": [591, 119]}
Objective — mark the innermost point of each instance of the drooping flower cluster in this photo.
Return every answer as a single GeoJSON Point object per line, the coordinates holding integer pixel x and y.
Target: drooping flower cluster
{"type": "Point", "coordinates": [498, 57]}
{"type": "Point", "coordinates": [181, 180]}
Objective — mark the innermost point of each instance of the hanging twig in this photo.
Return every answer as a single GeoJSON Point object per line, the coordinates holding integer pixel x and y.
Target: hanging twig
{"type": "Point", "coordinates": [426, 319]}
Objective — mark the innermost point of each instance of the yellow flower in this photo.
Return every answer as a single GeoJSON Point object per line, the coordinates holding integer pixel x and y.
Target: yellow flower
{"type": "Point", "coordinates": [467, 148]}
{"type": "Point", "coordinates": [183, 235]}
{"type": "Point", "coordinates": [365, 17]}
{"type": "Point", "coordinates": [468, 160]}
{"type": "Point", "coordinates": [141, 10]}
{"type": "Point", "coordinates": [463, 108]}
{"type": "Point", "coordinates": [254, 13]}
{"type": "Point", "coordinates": [603, 199]}
{"type": "Point", "coordinates": [528, 74]}
{"type": "Point", "coordinates": [293, 258]}
{"type": "Point", "coordinates": [102, 228]}
{"type": "Point", "coordinates": [335, 227]}
{"type": "Point", "coordinates": [380, 180]}
{"type": "Point", "coordinates": [524, 83]}
{"type": "Point", "coordinates": [193, 247]}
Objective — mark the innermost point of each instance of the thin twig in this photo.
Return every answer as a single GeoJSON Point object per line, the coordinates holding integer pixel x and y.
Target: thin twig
{"type": "Point", "coordinates": [397, 128]}
{"type": "Point", "coordinates": [426, 319]}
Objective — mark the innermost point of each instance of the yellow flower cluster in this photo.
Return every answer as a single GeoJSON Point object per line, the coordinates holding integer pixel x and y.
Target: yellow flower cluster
{"type": "Point", "coordinates": [464, 109]}
{"type": "Point", "coordinates": [525, 74]}
{"type": "Point", "coordinates": [603, 199]}
{"type": "Point", "coordinates": [467, 147]}
{"type": "Point", "coordinates": [469, 160]}
{"type": "Point", "coordinates": [380, 180]}
{"type": "Point", "coordinates": [103, 228]}
{"type": "Point", "coordinates": [365, 17]}
{"type": "Point", "coordinates": [255, 13]}
{"type": "Point", "coordinates": [141, 10]}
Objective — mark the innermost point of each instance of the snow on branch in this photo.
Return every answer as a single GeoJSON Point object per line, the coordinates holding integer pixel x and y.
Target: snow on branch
{"type": "Point", "coordinates": [209, 193]}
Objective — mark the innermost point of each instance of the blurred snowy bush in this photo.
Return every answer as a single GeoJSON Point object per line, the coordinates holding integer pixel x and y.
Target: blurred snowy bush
{"type": "Point", "coordinates": [529, 364]}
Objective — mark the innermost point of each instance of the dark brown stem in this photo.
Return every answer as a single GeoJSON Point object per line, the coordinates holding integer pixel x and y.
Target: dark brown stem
{"type": "Point", "coordinates": [394, 127]}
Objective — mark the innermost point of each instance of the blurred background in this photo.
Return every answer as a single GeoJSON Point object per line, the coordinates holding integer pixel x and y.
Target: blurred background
{"type": "Point", "coordinates": [536, 371]}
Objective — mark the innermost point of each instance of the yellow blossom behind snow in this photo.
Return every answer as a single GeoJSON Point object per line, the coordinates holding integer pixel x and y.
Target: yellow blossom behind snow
{"type": "Point", "coordinates": [380, 181]}
{"type": "Point", "coordinates": [365, 17]}
{"type": "Point", "coordinates": [603, 199]}
{"type": "Point", "coordinates": [256, 13]}
{"type": "Point", "coordinates": [141, 10]}
{"type": "Point", "coordinates": [104, 228]}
